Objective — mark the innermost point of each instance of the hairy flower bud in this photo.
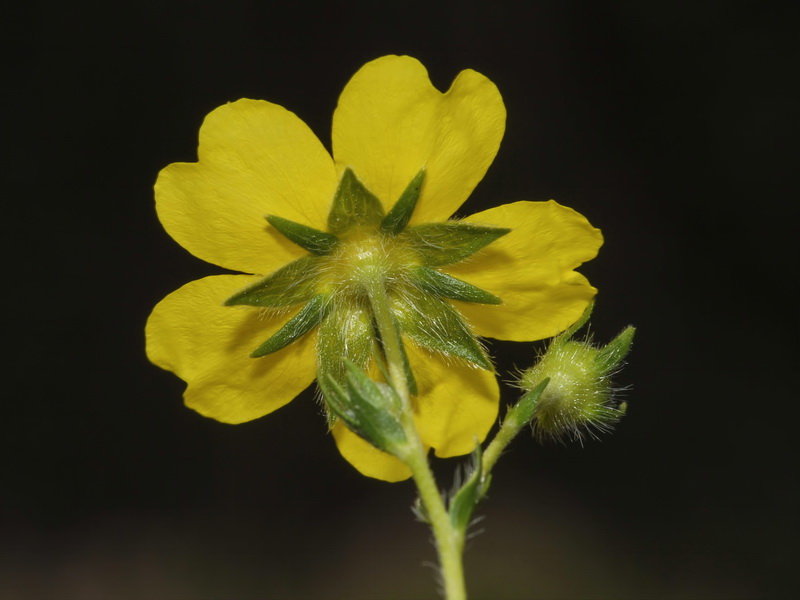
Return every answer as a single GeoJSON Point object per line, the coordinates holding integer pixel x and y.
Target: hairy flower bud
{"type": "Point", "coordinates": [579, 398]}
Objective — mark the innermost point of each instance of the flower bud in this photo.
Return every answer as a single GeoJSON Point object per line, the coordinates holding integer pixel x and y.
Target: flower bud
{"type": "Point", "coordinates": [579, 397]}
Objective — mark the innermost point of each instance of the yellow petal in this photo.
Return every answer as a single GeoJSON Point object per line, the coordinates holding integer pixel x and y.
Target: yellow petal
{"type": "Point", "coordinates": [366, 458]}
{"type": "Point", "coordinates": [208, 345]}
{"type": "Point", "coordinates": [531, 270]}
{"type": "Point", "coordinates": [256, 159]}
{"type": "Point", "coordinates": [457, 404]}
{"type": "Point", "coordinates": [391, 122]}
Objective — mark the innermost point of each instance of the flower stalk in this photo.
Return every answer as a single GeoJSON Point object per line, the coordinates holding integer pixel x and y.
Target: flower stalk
{"type": "Point", "coordinates": [449, 541]}
{"type": "Point", "coordinates": [518, 417]}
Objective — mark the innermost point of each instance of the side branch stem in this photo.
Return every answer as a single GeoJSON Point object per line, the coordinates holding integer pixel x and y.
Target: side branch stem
{"type": "Point", "coordinates": [493, 451]}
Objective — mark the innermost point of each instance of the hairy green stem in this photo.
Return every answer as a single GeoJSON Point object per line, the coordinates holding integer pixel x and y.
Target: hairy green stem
{"type": "Point", "coordinates": [518, 417]}
{"type": "Point", "coordinates": [495, 449]}
{"type": "Point", "coordinates": [449, 541]}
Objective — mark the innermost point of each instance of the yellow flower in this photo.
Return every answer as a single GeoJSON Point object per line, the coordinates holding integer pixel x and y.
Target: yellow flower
{"type": "Point", "coordinates": [392, 130]}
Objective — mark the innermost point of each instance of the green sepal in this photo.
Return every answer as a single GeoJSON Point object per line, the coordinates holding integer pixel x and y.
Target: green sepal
{"type": "Point", "coordinates": [293, 284]}
{"type": "Point", "coordinates": [440, 244]}
{"type": "Point", "coordinates": [572, 329]}
{"type": "Point", "coordinates": [397, 218]}
{"type": "Point", "coordinates": [353, 205]}
{"type": "Point", "coordinates": [465, 500]}
{"type": "Point", "coordinates": [345, 333]}
{"type": "Point", "coordinates": [446, 286]}
{"type": "Point", "coordinates": [299, 325]}
{"type": "Point", "coordinates": [437, 326]}
{"type": "Point", "coordinates": [610, 356]}
{"type": "Point", "coordinates": [524, 410]}
{"type": "Point", "coordinates": [368, 408]}
{"type": "Point", "coordinates": [308, 238]}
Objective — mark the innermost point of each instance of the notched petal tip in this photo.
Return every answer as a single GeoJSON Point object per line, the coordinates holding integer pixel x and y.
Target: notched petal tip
{"type": "Point", "coordinates": [255, 157]}
{"type": "Point", "coordinates": [455, 134]}
{"type": "Point", "coordinates": [206, 344]}
{"type": "Point", "coordinates": [532, 270]}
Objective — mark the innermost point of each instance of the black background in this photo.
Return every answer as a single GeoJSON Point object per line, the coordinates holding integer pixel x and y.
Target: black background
{"type": "Point", "coordinates": [671, 125]}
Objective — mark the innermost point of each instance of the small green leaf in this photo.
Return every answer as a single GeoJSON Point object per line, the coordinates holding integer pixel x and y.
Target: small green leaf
{"type": "Point", "coordinates": [565, 335]}
{"type": "Point", "coordinates": [440, 244]}
{"type": "Point", "coordinates": [446, 286]}
{"type": "Point", "coordinates": [353, 205]}
{"type": "Point", "coordinates": [401, 212]}
{"type": "Point", "coordinates": [437, 326]}
{"type": "Point", "coordinates": [293, 284]}
{"type": "Point", "coordinates": [299, 325]}
{"type": "Point", "coordinates": [368, 408]}
{"type": "Point", "coordinates": [378, 395]}
{"type": "Point", "coordinates": [463, 503]}
{"type": "Point", "coordinates": [523, 411]}
{"type": "Point", "coordinates": [337, 402]}
{"type": "Point", "coordinates": [313, 240]}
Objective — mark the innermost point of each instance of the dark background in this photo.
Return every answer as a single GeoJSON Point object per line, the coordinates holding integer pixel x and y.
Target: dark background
{"type": "Point", "coordinates": [671, 125]}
